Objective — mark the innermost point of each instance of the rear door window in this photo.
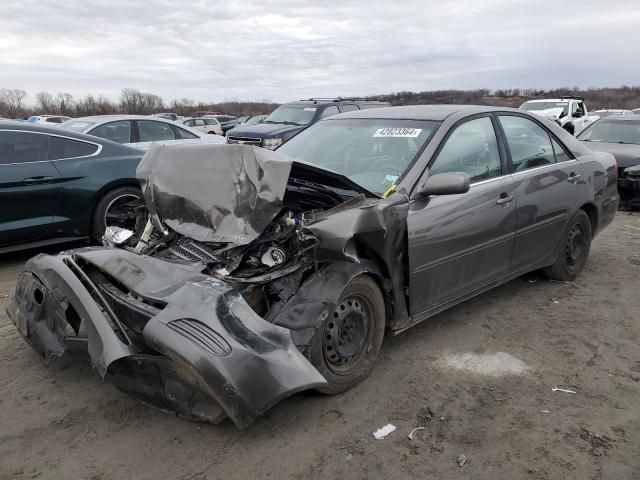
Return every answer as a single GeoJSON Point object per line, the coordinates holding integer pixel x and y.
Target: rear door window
{"type": "Point", "coordinates": [22, 147]}
{"type": "Point", "coordinates": [67, 148]}
{"type": "Point", "coordinates": [529, 143]}
{"type": "Point", "coordinates": [151, 131]}
{"type": "Point", "coordinates": [119, 132]}
{"type": "Point", "coordinates": [329, 111]}
{"type": "Point", "coordinates": [349, 108]}
{"type": "Point", "coordinates": [183, 134]}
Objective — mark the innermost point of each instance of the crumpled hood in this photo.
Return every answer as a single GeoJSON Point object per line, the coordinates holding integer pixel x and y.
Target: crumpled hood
{"type": "Point", "coordinates": [213, 193]}
{"type": "Point", "coordinates": [550, 112]}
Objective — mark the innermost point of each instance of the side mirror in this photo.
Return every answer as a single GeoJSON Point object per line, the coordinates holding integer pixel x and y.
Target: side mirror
{"type": "Point", "coordinates": [450, 183]}
{"type": "Point", "coordinates": [577, 114]}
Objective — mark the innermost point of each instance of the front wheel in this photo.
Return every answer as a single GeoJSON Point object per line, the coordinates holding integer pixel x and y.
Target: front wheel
{"type": "Point", "coordinates": [346, 345]}
{"type": "Point", "coordinates": [573, 250]}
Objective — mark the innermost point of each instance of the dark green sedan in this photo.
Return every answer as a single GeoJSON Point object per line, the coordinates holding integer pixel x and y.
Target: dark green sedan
{"type": "Point", "coordinates": [57, 185]}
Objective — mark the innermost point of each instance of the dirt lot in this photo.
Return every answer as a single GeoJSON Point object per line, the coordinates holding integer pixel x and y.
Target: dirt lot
{"type": "Point", "coordinates": [478, 378]}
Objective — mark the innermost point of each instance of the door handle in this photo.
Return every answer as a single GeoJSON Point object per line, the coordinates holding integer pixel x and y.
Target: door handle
{"type": "Point", "coordinates": [37, 180]}
{"type": "Point", "coordinates": [573, 178]}
{"type": "Point", "coordinates": [505, 198]}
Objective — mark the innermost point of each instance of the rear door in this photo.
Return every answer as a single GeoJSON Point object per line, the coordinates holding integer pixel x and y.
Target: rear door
{"type": "Point", "coordinates": [458, 243]}
{"type": "Point", "coordinates": [547, 182]}
{"type": "Point", "coordinates": [150, 131]}
{"type": "Point", "coordinates": [29, 187]}
{"type": "Point", "coordinates": [120, 131]}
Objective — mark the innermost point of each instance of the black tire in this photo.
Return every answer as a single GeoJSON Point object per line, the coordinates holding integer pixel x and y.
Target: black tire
{"type": "Point", "coordinates": [570, 128]}
{"type": "Point", "coordinates": [111, 198]}
{"type": "Point", "coordinates": [346, 345]}
{"type": "Point", "coordinates": [573, 250]}
{"type": "Point", "coordinates": [212, 133]}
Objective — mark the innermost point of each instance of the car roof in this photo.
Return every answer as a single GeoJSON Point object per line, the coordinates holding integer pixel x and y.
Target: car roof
{"type": "Point", "coordinates": [421, 112]}
{"type": "Point", "coordinates": [542, 100]}
{"type": "Point", "coordinates": [109, 118]}
{"type": "Point", "coordinates": [620, 118]}
{"type": "Point", "coordinates": [334, 101]}
{"type": "Point", "coordinates": [56, 130]}
{"type": "Point", "coordinates": [611, 110]}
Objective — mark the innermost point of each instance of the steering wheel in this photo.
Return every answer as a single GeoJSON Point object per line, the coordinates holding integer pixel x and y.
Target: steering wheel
{"type": "Point", "coordinates": [386, 167]}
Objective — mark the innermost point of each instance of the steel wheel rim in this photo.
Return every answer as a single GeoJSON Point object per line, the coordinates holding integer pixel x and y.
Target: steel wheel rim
{"type": "Point", "coordinates": [576, 246]}
{"type": "Point", "coordinates": [119, 214]}
{"type": "Point", "coordinates": [347, 335]}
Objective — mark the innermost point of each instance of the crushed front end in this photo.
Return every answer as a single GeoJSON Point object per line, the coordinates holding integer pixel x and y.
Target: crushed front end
{"type": "Point", "coordinates": [207, 313]}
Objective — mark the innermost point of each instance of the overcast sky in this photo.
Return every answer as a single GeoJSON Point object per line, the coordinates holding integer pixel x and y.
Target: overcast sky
{"type": "Point", "coordinates": [284, 49]}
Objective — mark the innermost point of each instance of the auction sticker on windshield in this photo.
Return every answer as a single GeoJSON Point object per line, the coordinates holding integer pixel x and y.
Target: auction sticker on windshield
{"type": "Point", "coordinates": [398, 132]}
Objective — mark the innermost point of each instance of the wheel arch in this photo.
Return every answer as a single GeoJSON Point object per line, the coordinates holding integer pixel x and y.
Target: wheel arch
{"type": "Point", "coordinates": [592, 212]}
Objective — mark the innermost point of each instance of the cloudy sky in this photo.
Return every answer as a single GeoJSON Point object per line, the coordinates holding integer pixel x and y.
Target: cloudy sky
{"type": "Point", "coordinates": [212, 50]}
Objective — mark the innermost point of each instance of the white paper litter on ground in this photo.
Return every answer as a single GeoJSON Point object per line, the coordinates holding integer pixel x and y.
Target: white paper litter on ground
{"type": "Point", "coordinates": [383, 432]}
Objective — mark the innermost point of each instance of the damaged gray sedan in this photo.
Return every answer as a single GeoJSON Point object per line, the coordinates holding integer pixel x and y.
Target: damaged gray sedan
{"type": "Point", "coordinates": [260, 274]}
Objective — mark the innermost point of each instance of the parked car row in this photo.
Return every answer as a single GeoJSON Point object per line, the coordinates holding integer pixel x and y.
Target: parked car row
{"type": "Point", "coordinates": [138, 131]}
{"type": "Point", "coordinates": [289, 119]}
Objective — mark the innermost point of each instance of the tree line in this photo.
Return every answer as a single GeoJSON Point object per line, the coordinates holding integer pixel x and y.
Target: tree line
{"type": "Point", "coordinates": [14, 102]}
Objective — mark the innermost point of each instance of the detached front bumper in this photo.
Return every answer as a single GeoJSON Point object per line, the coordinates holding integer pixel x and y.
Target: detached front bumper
{"type": "Point", "coordinates": [200, 351]}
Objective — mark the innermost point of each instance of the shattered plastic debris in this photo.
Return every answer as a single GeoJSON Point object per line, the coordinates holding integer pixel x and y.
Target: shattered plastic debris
{"type": "Point", "coordinates": [114, 236]}
{"type": "Point", "coordinates": [414, 431]}
{"type": "Point", "coordinates": [565, 390]}
{"type": "Point", "coordinates": [381, 433]}
{"type": "Point", "coordinates": [461, 460]}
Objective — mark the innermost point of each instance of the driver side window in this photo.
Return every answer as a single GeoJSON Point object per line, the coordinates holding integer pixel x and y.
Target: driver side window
{"type": "Point", "coordinates": [472, 148]}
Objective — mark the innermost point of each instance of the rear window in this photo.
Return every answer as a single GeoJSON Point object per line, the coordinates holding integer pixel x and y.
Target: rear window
{"type": "Point", "coordinates": [67, 148]}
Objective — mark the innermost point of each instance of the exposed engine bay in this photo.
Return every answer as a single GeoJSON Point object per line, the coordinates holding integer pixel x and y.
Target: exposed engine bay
{"type": "Point", "coordinates": [208, 309]}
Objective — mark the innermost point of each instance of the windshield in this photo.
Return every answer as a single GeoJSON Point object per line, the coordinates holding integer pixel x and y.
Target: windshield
{"type": "Point", "coordinates": [374, 153]}
{"type": "Point", "coordinates": [292, 115]}
{"type": "Point", "coordinates": [627, 131]}
{"type": "Point", "coordinates": [77, 125]}
{"type": "Point", "coordinates": [535, 106]}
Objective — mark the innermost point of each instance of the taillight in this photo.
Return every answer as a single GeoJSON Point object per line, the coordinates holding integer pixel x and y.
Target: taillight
{"type": "Point", "coordinates": [615, 168]}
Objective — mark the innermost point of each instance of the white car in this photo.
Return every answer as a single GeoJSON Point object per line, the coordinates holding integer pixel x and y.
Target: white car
{"type": "Point", "coordinates": [569, 112]}
{"type": "Point", "coordinates": [48, 119]}
{"type": "Point", "coordinates": [138, 131]}
{"type": "Point", "coordinates": [204, 124]}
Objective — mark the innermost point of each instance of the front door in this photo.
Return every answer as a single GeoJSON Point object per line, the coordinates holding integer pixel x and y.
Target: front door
{"type": "Point", "coordinates": [547, 181]}
{"type": "Point", "coordinates": [458, 243]}
{"type": "Point", "coordinates": [29, 187]}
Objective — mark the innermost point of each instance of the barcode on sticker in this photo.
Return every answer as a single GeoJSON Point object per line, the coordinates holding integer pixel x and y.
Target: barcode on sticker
{"type": "Point", "coordinates": [398, 132]}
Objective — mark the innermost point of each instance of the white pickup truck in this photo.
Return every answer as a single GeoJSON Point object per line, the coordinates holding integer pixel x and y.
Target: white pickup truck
{"type": "Point", "coordinates": [568, 112]}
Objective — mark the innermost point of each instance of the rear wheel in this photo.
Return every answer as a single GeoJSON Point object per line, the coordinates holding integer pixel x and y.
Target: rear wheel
{"type": "Point", "coordinates": [117, 208]}
{"type": "Point", "coordinates": [347, 343]}
{"type": "Point", "coordinates": [574, 249]}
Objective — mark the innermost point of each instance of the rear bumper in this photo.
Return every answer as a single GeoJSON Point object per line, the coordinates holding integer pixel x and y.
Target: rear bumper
{"type": "Point", "coordinates": [203, 353]}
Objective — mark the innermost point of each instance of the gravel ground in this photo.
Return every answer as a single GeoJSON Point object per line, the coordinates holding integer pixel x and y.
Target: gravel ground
{"type": "Point", "coordinates": [478, 379]}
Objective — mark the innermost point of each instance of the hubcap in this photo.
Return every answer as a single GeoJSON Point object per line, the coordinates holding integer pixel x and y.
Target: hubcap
{"type": "Point", "coordinates": [121, 212]}
{"type": "Point", "coordinates": [576, 244]}
{"type": "Point", "coordinates": [345, 335]}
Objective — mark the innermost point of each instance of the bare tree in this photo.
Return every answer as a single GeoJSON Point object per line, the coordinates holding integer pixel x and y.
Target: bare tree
{"type": "Point", "coordinates": [12, 99]}
{"type": "Point", "coordinates": [64, 103]}
{"type": "Point", "coordinates": [45, 103]}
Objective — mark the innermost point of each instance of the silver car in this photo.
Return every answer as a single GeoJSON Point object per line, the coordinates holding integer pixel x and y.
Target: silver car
{"type": "Point", "coordinates": [138, 131]}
